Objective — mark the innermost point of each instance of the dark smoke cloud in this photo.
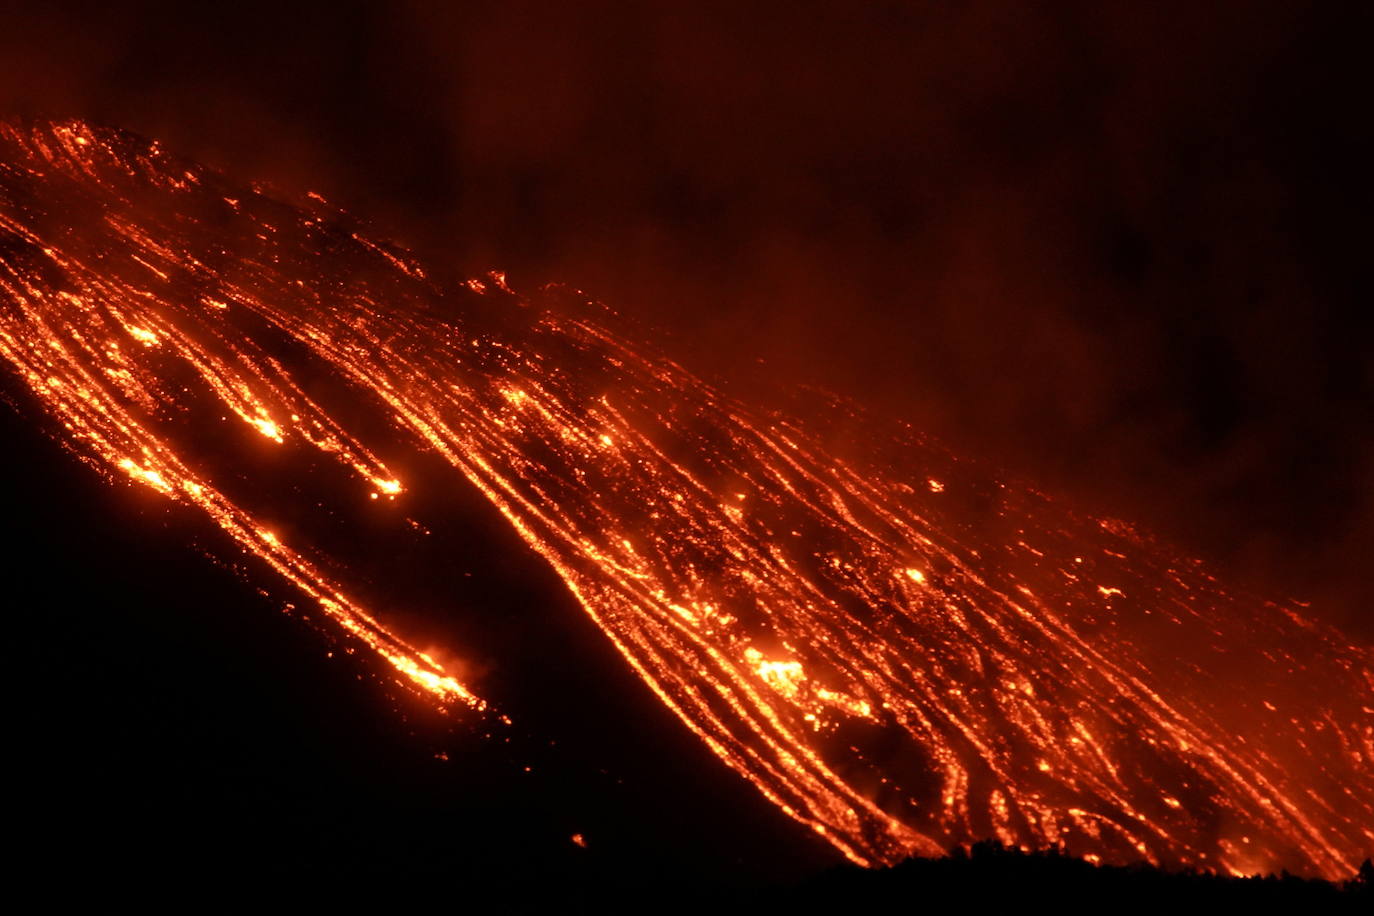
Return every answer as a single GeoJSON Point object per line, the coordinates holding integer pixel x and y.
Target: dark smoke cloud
{"type": "Point", "coordinates": [1117, 247]}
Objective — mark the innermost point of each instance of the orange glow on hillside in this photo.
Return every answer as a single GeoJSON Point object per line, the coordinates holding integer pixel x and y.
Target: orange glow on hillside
{"type": "Point", "coordinates": [900, 655]}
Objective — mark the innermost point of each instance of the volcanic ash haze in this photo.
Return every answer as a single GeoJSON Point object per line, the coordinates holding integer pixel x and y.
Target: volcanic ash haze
{"type": "Point", "coordinates": [900, 652]}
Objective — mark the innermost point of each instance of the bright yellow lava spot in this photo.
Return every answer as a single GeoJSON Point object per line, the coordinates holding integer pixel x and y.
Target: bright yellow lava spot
{"type": "Point", "coordinates": [268, 428]}
{"type": "Point", "coordinates": [438, 684]}
{"type": "Point", "coordinates": [389, 487]}
{"type": "Point", "coordinates": [143, 335]}
{"type": "Point", "coordinates": [605, 440]}
{"type": "Point", "coordinates": [781, 676]}
{"type": "Point", "coordinates": [915, 575]}
{"type": "Point", "coordinates": [147, 475]}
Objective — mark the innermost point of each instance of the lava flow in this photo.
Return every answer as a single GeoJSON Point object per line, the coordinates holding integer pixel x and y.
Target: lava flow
{"type": "Point", "coordinates": [899, 652]}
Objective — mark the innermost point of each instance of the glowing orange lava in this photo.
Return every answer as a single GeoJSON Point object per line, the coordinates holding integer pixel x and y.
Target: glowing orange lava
{"type": "Point", "coordinates": [900, 654]}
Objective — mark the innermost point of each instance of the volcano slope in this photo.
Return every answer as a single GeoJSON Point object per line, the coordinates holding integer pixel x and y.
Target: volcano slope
{"type": "Point", "coordinates": [898, 651]}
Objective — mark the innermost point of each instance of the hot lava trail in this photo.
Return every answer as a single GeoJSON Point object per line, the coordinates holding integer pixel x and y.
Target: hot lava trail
{"type": "Point", "coordinates": [900, 652]}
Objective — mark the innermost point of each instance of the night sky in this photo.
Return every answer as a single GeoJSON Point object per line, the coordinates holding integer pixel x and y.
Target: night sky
{"type": "Point", "coordinates": [1118, 249]}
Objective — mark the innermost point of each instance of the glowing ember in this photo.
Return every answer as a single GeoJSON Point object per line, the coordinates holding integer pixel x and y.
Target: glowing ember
{"type": "Point", "coordinates": [900, 655]}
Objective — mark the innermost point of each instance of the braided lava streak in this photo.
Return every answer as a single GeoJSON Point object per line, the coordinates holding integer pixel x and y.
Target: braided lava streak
{"type": "Point", "coordinates": [899, 652]}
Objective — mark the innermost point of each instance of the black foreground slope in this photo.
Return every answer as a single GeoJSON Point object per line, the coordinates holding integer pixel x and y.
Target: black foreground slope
{"type": "Point", "coordinates": [992, 876]}
{"type": "Point", "coordinates": [157, 753]}
{"type": "Point", "coordinates": [174, 723]}
{"type": "Point", "coordinates": [177, 733]}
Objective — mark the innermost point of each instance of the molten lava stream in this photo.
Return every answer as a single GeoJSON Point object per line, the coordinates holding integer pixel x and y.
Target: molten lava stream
{"type": "Point", "coordinates": [902, 654]}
